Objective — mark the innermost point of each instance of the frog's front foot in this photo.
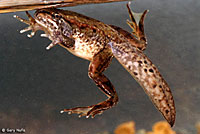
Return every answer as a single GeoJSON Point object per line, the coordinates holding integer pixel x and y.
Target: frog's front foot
{"type": "Point", "coordinates": [91, 110]}
{"type": "Point", "coordinates": [32, 25]}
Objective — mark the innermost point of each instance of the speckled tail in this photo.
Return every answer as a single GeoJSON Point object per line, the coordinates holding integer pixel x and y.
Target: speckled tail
{"type": "Point", "coordinates": [148, 76]}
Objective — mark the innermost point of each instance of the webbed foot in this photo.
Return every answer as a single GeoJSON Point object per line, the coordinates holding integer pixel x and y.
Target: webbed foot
{"type": "Point", "coordinates": [82, 111]}
{"type": "Point", "coordinates": [91, 110]}
{"type": "Point", "coordinates": [137, 24]}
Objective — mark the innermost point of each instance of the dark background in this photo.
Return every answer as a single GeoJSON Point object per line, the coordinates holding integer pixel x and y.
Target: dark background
{"type": "Point", "coordinates": [35, 84]}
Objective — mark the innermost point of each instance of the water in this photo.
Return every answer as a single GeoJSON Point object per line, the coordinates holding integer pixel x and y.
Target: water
{"type": "Point", "coordinates": [36, 84]}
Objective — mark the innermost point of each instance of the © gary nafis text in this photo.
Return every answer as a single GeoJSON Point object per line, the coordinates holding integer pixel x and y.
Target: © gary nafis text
{"type": "Point", "coordinates": [13, 130]}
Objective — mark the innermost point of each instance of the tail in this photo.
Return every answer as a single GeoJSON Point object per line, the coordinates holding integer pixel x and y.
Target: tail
{"type": "Point", "coordinates": [148, 76]}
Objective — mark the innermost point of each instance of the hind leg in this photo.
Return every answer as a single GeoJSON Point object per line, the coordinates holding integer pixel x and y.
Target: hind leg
{"type": "Point", "coordinates": [96, 68]}
{"type": "Point", "coordinates": [137, 25]}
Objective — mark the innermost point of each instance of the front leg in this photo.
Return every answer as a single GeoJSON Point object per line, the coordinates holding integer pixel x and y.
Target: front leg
{"type": "Point", "coordinates": [96, 67]}
{"type": "Point", "coordinates": [56, 35]}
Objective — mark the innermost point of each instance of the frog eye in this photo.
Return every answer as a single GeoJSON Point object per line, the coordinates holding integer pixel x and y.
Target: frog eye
{"type": "Point", "coordinates": [56, 16]}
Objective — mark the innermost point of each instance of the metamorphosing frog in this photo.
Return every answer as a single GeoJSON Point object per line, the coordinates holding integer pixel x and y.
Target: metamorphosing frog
{"type": "Point", "coordinates": [98, 42]}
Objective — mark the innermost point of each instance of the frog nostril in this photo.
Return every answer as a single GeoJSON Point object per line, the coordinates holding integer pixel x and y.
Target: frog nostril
{"type": "Point", "coordinates": [39, 17]}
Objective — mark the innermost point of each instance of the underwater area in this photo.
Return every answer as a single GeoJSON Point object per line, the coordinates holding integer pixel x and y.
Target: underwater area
{"type": "Point", "coordinates": [35, 83]}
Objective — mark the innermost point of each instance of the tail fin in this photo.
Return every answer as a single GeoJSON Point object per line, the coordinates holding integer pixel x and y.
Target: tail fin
{"type": "Point", "coordinates": [148, 76]}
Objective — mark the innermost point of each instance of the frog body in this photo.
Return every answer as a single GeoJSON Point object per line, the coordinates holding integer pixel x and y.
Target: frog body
{"type": "Point", "coordinates": [98, 42]}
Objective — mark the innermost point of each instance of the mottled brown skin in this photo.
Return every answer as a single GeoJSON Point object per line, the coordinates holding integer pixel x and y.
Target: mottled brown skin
{"type": "Point", "coordinates": [97, 42]}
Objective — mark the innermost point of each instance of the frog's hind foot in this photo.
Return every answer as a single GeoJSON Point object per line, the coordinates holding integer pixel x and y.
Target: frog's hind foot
{"type": "Point", "coordinates": [137, 23]}
{"type": "Point", "coordinates": [91, 110]}
{"type": "Point", "coordinates": [82, 111]}
{"type": "Point", "coordinates": [32, 25]}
